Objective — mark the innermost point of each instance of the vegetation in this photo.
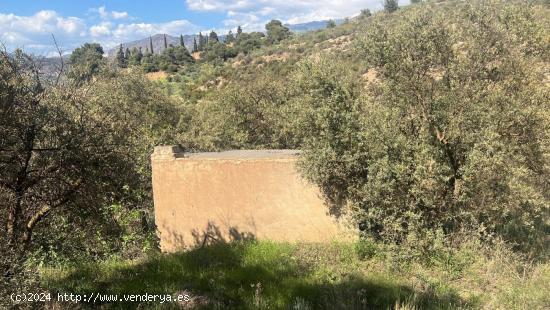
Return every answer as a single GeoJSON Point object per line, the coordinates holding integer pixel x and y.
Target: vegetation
{"type": "Point", "coordinates": [391, 6]}
{"type": "Point", "coordinates": [416, 131]}
{"type": "Point", "coordinates": [210, 48]}
{"type": "Point", "coordinates": [427, 125]}
{"type": "Point", "coordinates": [276, 32]}
{"type": "Point", "coordinates": [86, 61]}
{"type": "Point", "coordinates": [426, 147]}
{"type": "Point", "coordinates": [365, 275]}
{"type": "Point", "coordinates": [75, 169]}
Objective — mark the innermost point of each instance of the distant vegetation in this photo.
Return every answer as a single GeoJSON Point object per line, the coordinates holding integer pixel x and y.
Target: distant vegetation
{"type": "Point", "coordinates": [427, 125]}
{"type": "Point", "coordinates": [209, 48]}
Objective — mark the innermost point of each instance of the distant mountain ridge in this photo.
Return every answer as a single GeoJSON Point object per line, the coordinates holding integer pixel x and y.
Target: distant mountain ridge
{"type": "Point", "coordinates": [158, 43]}
{"type": "Point", "coordinates": [312, 26]}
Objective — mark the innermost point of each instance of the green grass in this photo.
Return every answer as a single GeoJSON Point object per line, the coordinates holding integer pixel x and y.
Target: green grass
{"type": "Point", "coordinates": [266, 275]}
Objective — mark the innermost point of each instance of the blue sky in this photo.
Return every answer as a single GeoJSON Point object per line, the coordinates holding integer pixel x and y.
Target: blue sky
{"type": "Point", "coordinates": [29, 24]}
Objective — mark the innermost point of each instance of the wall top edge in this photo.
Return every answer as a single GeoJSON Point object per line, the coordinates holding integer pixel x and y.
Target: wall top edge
{"type": "Point", "coordinates": [173, 152]}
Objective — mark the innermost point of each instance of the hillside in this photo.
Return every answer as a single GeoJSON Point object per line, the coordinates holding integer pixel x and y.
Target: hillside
{"type": "Point", "coordinates": [426, 125]}
{"type": "Point", "coordinates": [204, 80]}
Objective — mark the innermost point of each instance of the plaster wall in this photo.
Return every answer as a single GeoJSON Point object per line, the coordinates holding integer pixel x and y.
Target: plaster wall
{"type": "Point", "coordinates": [212, 197]}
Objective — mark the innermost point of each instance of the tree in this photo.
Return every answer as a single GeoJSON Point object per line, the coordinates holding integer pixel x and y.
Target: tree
{"type": "Point", "coordinates": [127, 54]}
{"type": "Point", "coordinates": [120, 58]}
{"type": "Point", "coordinates": [201, 42]}
{"type": "Point", "coordinates": [86, 61]}
{"type": "Point", "coordinates": [219, 50]}
{"type": "Point", "coordinates": [151, 45]}
{"type": "Point", "coordinates": [230, 38]}
{"type": "Point", "coordinates": [135, 57]}
{"type": "Point", "coordinates": [249, 114]}
{"type": "Point", "coordinates": [239, 31]}
{"type": "Point", "coordinates": [439, 142]}
{"type": "Point", "coordinates": [68, 154]}
{"type": "Point", "coordinates": [167, 60]}
{"type": "Point", "coordinates": [213, 37]}
{"type": "Point", "coordinates": [182, 43]}
{"type": "Point", "coordinates": [182, 55]}
{"type": "Point", "coordinates": [365, 13]}
{"type": "Point", "coordinates": [276, 31]}
{"type": "Point", "coordinates": [173, 57]}
{"type": "Point", "coordinates": [247, 42]}
{"type": "Point", "coordinates": [51, 150]}
{"type": "Point", "coordinates": [195, 46]}
{"type": "Point", "coordinates": [391, 6]}
{"type": "Point", "coordinates": [139, 55]}
{"type": "Point", "coordinates": [331, 24]}
{"type": "Point", "coordinates": [165, 42]}
{"type": "Point", "coordinates": [149, 63]}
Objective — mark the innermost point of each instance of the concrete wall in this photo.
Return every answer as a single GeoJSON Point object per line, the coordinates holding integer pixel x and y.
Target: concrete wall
{"type": "Point", "coordinates": [210, 197]}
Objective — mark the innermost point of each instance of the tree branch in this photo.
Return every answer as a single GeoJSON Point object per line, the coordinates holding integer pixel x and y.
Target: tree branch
{"type": "Point", "coordinates": [32, 222]}
{"type": "Point", "coordinates": [60, 59]}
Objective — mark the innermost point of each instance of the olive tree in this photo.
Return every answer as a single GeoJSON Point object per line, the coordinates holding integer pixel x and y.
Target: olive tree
{"type": "Point", "coordinates": [451, 132]}
{"type": "Point", "coordinates": [86, 61]}
{"type": "Point", "coordinates": [276, 32]}
{"type": "Point", "coordinates": [68, 152]}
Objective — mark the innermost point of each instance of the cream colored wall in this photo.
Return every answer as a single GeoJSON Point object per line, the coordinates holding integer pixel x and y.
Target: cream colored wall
{"type": "Point", "coordinates": [234, 195]}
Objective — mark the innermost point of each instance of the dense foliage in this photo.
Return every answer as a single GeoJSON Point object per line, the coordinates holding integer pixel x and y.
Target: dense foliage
{"type": "Point", "coordinates": [74, 181]}
{"type": "Point", "coordinates": [86, 61]}
{"type": "Point", "coordinates": [451, 132]}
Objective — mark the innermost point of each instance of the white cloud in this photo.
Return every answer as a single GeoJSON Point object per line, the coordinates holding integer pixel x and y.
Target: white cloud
{"type": "Point", "coordinates": [35, 32]}
{"type": "Point", "coordinates": [254, 14]}
{"type": "Point", "coordinates": [119, 15]}
{"type": "Point", "coordinates": [102, 12]}
{"type": "Point", "coordinates": [109, 34]}
{"type": "Point", "coordinates": [105, 14]}
{"type": "Point", "coordinates": [144, 29]}
{"type": "Point", "coordinates": [102, 29]}
{"type": "Point", "coordinates": [222, 5]}
{"type": "Point", "coordinates": [40, 23]}
{"type": "Point", "coordinates": [11, 37]}
{"type": "Point", "coordinates": [247, 20]}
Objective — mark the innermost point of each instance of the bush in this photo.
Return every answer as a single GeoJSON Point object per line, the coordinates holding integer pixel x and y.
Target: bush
{"type": "Point", "coordinates": [451, 133]}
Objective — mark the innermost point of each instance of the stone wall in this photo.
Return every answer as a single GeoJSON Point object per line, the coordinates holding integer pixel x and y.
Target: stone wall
{"type": "Point", "coordinates": [216, 197]}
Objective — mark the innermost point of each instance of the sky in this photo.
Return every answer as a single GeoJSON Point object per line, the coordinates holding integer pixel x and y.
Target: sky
{"type": "Point", "coordinates": [29, 24]}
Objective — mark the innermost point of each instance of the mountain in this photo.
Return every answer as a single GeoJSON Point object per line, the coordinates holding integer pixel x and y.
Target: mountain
{"type": "Point", "coordinates": [311, 26]}
{"type": "Point", "coordinates": [49, 66]}
{"type": "Point", "coordinates": [158, 43]}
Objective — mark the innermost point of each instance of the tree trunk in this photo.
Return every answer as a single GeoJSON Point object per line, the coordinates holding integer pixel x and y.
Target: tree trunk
{"type": "Point", "coordinates": [13, 214]}
{"type": "Point", "coordinates": [27, 234]}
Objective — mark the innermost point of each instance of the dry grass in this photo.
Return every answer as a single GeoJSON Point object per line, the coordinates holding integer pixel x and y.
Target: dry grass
{"type": "Point", "coordinates": [156, 76]}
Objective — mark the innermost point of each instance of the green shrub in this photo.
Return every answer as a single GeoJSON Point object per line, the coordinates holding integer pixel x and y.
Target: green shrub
{"type": "Point", "coordinates": [451, 133]}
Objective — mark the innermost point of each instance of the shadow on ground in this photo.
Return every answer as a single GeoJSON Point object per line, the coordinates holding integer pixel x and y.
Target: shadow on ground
{"type": "Point", "coordinates": [242, 275]}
